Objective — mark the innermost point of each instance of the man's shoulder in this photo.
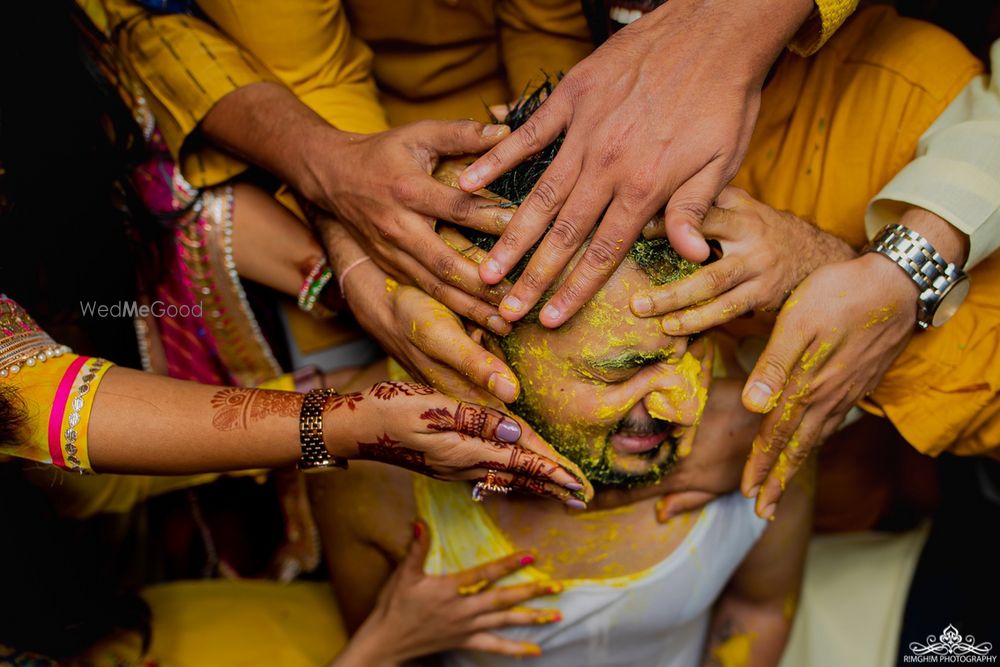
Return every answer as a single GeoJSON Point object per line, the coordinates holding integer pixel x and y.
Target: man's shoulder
{"type": "Point", "coordinates": [373, 502]}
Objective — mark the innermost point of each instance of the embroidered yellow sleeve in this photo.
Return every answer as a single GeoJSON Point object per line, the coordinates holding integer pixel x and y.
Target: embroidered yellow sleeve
{"type": "Point", "coordinates": [824, 21]}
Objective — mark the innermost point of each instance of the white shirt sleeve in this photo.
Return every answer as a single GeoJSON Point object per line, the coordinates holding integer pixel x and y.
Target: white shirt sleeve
{"type": "Point", "coordinates": [956, 173]}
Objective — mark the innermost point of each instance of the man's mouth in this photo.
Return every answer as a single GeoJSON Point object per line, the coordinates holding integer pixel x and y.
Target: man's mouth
{"type": "Point", "coordinates": [638, 438]}
{"type": "Point", "coordinates": [624, 13]}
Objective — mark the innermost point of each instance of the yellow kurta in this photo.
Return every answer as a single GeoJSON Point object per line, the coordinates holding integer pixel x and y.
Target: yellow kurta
{"type": "Point", "coordinates": [833, 131]}
{"type": "Point", "coordinates": [432, 59]}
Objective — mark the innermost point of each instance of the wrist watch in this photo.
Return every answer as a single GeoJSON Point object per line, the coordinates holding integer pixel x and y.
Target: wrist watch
{"type": "Point", "coordinates": [315, 456]}
{"type": "Point", "coordinates": [943, 286]}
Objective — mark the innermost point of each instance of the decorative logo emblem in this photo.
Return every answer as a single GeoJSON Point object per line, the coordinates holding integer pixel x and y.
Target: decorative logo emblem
{"type": "Point", "coordinates": [951, 646]}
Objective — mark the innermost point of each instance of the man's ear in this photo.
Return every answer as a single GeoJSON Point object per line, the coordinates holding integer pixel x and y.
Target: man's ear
{"type": "Point", "coordinates": [488, 340]}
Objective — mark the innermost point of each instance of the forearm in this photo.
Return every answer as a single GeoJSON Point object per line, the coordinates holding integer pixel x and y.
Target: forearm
{"type": "Point", "coordinates": [266, 124]}
{"type": "Point", "coordinates": [148, 424]}
{"type": "Point", "coordinates": [761, 29]}
{"type": "Point", "coordinates": [747, 634]}
{"type": "Point", "coordinates": [270, 245]}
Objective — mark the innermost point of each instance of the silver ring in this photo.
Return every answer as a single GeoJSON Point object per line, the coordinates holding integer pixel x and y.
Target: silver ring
{"type": "Point", "coordinates": [488, 485]}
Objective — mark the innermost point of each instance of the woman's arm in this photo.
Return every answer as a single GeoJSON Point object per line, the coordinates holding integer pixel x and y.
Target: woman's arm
{"type": "Point", "coordinates": [144, 423]}
{"type": "Point", "coordinates": [149, 424]}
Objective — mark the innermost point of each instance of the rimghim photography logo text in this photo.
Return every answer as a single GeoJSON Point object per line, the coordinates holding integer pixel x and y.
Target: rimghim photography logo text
{"type": "Point", "coordinates": [951, 647]}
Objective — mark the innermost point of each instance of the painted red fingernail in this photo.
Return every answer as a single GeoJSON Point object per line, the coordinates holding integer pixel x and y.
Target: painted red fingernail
{"type": "Point", "coordinates": [527, 559]}
{"type": "Point", "coordinates": [418, 529]}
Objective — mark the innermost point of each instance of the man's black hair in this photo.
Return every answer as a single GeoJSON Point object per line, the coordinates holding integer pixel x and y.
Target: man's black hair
{"type": "Point", "coordinates": [655, 257]}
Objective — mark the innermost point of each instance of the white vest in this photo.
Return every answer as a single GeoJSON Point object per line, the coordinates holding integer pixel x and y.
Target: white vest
{"type": "Point", "coordinates": [658, 617]}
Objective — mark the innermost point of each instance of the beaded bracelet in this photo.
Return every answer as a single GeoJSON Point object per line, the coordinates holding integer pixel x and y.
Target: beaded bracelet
{"type": "Point", "coordinates": [314, 284]}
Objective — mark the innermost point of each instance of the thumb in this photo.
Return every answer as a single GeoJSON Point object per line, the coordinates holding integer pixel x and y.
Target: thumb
{"type": "Point", "coordinates": [413, 564]}
{"type": "Point", "coordinates": [673, 504]}
{"type": "Point", "coordinates": [686, 211]}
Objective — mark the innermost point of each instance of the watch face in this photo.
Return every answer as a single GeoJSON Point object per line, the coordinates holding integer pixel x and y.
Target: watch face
{"type": "Point", "coordinates": [950, 301]}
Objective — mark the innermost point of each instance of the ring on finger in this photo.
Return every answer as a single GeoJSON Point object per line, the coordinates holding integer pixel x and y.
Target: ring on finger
{"type": "Point", "coordinates": [486, 486]}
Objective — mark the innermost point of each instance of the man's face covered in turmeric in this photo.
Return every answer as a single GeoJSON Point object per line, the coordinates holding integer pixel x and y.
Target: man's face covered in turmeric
{"type": "Point", "coordinates": [608, 390]}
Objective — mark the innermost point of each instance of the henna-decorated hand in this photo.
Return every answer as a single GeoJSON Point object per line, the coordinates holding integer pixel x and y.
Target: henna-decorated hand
{"type": "Point", "coordinates": [419, 614]}
{"type": "Point", "coordinates": [416, 427]}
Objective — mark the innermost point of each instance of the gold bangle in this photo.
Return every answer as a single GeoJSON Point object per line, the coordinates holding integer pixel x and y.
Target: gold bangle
{"type": "Point", "coordinates": [315, 456]}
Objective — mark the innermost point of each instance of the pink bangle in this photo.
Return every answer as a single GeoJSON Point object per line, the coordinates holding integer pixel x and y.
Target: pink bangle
{"type": "Point", "coordinates": [350, 267]}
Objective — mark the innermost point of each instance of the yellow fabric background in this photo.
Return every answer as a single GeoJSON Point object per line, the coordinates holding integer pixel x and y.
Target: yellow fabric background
{"type": "Point", "coordinates": [244, 623]}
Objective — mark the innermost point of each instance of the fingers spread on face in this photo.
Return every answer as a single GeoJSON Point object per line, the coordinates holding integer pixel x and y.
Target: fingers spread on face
{"type": "Point", "coordinates": [443, 339]}
{"type": "Point", "coordinates": [471, 306]}
{"type": "Point", "coordinates": [460, 243]}
{"type": "Point", "coordinates": [490, 373]}
{"type": "Point", "coordinates": [531, 219]}
{"type": "Point", "coordinates": [720, 310]}
{"type": "Point", "coordinates": [448, 265]}
{"type": "Point", "coordinates": [572, 225]}
{"type": "Point", "coordinates": [531, 441]}
{"type": "Point", "coordinates": [605, 252]}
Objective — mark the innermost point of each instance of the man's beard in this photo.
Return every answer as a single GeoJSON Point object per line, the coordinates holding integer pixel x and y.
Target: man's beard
{"type": "Point", "coordinates": [596, 460]}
